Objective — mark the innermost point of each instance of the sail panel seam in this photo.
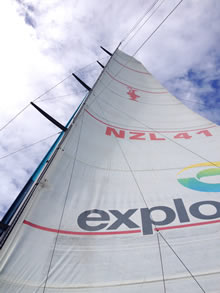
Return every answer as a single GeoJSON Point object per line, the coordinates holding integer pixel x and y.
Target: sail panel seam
{"type": "Point", "coordinates": [133, 87]}
{"type": "Point", "coordinates": [168, 279]}
{"type": "Point", "coordinates": [144, 98]}
{"type": "Point", "coordinates": [142, 72]}
{"type": "Point", "coordinates": [140, 130]}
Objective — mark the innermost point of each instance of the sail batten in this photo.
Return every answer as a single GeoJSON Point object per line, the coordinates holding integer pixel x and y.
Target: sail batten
{"type": "Point", "coordinates": [130, 201]}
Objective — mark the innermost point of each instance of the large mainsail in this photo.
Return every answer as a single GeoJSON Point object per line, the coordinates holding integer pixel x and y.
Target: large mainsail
{"type": "Point", "coordinates": [129, 202]}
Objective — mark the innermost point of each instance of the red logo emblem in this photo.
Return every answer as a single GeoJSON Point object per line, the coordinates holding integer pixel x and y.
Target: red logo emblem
{"type": "Point", "coordinates": [132, 94]}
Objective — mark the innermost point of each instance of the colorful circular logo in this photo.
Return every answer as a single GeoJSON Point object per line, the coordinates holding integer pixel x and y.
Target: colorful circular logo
{"type": "Point", "coordinates": [193, 181]}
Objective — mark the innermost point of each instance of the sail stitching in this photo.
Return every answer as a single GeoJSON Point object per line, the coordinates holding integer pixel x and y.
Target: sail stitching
{"type": "Point", "coordinates": [142, 72]}
{"type": "Point", "coordinates": [141, 130]}
{"type": "Point", "coordinates": [114, 284]}
{"type": "Point", "coordinates": [127, 170]}
{"type": "Point", "coordinates": [146, 103]}
{"type": "Point", "coordinates": [133, 87]}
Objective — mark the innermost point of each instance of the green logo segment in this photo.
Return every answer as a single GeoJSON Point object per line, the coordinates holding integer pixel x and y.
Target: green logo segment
{"type": "Point", "coordinates": [195, 183]}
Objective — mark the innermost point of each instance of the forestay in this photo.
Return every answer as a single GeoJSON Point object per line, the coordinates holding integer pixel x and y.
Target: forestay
{"type": "Point", "coordinates": [130, 202]}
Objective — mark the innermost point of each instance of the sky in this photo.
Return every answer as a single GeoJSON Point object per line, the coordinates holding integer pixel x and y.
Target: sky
{"type": "Point", "coordinates": [43, 42]}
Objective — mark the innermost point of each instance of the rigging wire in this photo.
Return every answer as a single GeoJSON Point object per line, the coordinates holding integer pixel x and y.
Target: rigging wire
{"type": "Point", "coordinates": [148, 38]}
{"type": "Point", "coordinates": [139, 21]}
{"type": "Point", "coordinates": [143, 23]}
{"type": "Point", "coordinates": [21, 111]}
{"type": "Point", "coordinates": [12, 119]}
{"type": "Point", "coordinates": [44, 93]}
{"type": "Point", "coordinates": [39, 141]}
{"type": "Point", "coordinates": [28, 146]}
{"type": "Point", "coordinates": [58, 97]}
{"type": "Point", "coordinates": [96, 96]}
{"type": "Point", "coordinates": [145, 41]}
{"type": "Point", "coordinates": [187, 100]}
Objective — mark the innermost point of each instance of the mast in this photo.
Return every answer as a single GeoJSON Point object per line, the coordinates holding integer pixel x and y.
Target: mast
{"type": "Point", "coordinates": [129, 201]}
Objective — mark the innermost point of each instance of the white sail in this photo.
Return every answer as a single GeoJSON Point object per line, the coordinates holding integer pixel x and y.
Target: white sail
{"type": "Point", "coordinates": [130, 202]}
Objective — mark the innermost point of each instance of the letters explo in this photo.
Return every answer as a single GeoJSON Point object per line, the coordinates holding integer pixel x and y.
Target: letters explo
{"type": "Point", "coordinates": [97, 220]}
